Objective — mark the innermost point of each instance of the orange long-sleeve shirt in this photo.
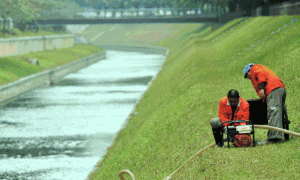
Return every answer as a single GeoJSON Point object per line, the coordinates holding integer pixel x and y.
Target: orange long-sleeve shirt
{"type": "Point", "coordinates": [241, 112]}
{"type": "Point", "coordinates": [260, 73]}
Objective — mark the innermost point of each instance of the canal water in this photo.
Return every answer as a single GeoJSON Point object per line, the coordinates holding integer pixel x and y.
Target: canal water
{"type": "Point", "coordinates": [61, 132]}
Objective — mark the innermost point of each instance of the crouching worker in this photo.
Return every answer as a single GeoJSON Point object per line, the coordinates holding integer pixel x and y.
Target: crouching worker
{"type": "Point", "coordinates": [231, 107]}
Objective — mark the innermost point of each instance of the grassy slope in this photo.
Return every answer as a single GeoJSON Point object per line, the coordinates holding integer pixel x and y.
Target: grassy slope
{"type": "Point", "coordinates": [171, 122]}
{"type": "Point", "coordinates": [133, 34]}
{"type": "Point", "coordinates": [15, 67]}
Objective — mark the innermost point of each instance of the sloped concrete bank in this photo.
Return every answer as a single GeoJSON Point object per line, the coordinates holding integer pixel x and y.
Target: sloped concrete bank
{"type": "Point", "coordinates": [11, 91]}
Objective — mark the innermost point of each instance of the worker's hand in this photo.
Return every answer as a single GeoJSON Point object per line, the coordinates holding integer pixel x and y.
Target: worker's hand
{"type": "Point", "coordinates": [262, 94]}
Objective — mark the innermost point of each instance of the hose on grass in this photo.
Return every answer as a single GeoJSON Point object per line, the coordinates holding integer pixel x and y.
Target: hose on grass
{"type": "Point", "coordinates": [277, 129]}
{"type": "Point", "coordinates": [192, 157]}
{"type": "Point", "coordinates": [125, 171]}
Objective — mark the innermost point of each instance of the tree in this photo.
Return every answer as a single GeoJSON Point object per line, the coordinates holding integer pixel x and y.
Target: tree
{"type": "Point", "coordinates": [232, 5]}
{"type": "Point", "coordinates": [7, 8]}
{"type": "Point", "coordinates": [59, 9]}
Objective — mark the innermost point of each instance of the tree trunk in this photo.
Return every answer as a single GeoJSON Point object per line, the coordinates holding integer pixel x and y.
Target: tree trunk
{"type": "Point", "coordinates": [232, 5]}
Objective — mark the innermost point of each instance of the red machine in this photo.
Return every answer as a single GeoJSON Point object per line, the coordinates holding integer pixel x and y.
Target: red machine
{"type": "Point", "coordinates": [239, 135]}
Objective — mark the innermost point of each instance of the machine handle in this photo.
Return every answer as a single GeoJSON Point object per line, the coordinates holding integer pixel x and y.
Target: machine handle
{"type": "Point", "coordinates": [236, 121]}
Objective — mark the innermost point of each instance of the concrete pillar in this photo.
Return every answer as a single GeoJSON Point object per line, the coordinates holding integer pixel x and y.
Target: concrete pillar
{"type": "Point", "coordinates": [284, 11]}
{"type": "Point", "coordinates": [259, 11]}
{"type": "Point", "coordinates": [10, 23]}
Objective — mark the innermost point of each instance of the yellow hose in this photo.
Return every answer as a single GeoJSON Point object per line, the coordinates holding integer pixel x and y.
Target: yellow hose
{"type": "Point", "coordinates": [192, 157]}
{"type": "Point", "coordinates": [125, 171]}
{"type": "Point", "coordinates": [277, 129]}
{"type": "Point", "coordinates": [210, 146]}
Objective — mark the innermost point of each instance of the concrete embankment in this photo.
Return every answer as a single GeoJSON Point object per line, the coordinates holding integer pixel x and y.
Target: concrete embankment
{"type": "Point", "coordinates": [12, 90]}
{"type": "Point", "coordinates": [25, 45]}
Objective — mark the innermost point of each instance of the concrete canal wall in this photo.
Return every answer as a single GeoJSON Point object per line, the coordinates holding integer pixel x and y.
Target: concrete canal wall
{"type": "Point", "coordinates": [25, 45]}
{"type": "Point", "coordinates": [12, 90]}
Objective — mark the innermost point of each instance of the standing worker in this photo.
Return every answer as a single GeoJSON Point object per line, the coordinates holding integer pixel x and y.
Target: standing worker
{"type": "Point", "coordinates": [231, 107]}
{"type": "Point", "coordinates": [270, 89]}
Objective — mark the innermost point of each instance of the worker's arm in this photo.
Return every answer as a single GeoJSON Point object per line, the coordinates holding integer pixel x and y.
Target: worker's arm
{"type": "Point", "coordinates": [223, 114]}
{"type": "Point", "coordinates": [261, 77]}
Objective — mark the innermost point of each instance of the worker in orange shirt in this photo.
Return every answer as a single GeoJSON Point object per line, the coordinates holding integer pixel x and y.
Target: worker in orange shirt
{"type": "Point", "coordinates": [270, 89]}
{"type": "Point", "coordinates": [231, 107]}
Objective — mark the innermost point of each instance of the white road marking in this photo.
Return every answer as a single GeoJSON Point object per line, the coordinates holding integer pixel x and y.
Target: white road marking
{"type": "Point", "coordinates": [98, 35]}
{"type": "Point", "coordinates": [113, 27]}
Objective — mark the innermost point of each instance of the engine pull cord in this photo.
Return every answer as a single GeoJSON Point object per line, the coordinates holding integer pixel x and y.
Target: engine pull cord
{"type": "Point", "coordinates": [125, 171]}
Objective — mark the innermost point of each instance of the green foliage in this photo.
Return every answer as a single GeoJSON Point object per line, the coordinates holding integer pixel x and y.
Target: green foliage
{"type": "Point", "coordinates": [59, 9]}
{"type": "Point", "coordinates": [19, 9]}
{"type": "Point", "coordinates": [28, 10]}
{"type": "Point", "coordinates": [18, 33]}
{"type": "Point", "coordinates": [171, 122]}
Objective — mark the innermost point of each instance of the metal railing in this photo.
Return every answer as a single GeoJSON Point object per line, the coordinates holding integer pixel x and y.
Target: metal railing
{"type": "Point", "coordinates": [128, 13]}
{"type": "Point", "coordinates": [286, 8]}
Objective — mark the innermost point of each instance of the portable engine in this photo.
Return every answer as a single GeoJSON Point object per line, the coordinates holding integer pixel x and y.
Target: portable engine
{"type": "Point", "coordinates": [239, 135]}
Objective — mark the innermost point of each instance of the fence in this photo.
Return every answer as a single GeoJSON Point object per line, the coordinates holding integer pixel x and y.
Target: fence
{"type": "Point", "coordinates": [286, 8]}
{"type": "Point", "coordinates": [128, 13]}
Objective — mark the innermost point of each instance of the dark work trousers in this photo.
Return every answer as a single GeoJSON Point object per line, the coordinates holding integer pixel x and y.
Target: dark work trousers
{"type": "Point", "coordinates": [217, 130]}
{"type": "Point", "coordinates": [275, 104]}
{"type": "Point", "coordinates": [216, 123]}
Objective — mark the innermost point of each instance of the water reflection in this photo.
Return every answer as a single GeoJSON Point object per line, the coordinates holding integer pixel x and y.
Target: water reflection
{"type": "Point", "coordinates": [60, 132]}
{"type": "Point", "coordinates": [129, 81]}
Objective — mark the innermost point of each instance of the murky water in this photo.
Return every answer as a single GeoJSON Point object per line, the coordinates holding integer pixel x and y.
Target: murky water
{"type": "Point", "coordinates": [61, 132]}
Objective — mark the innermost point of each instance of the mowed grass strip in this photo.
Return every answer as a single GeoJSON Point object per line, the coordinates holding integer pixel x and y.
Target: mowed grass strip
{"type": "Point", "coordinates": [15, 67]}
{"type": "Point", "coordinates": [171, 122]}
{"type": "Point", "coordinates": [18, 33]}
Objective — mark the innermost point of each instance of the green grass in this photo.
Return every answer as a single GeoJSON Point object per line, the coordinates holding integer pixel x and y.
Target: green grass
{"type": "Point", "coordinates": [19, 33]}
{"type": "Point", "coordinates": [171, 122]}
{"type": "Point", "coordinates": [222, 29]}
{"type": "Point", "coordinates": [15, 67]}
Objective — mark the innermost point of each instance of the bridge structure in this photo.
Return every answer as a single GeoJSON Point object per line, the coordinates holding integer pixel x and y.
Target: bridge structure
{"type": "Point", "coordinates": [117, 16]}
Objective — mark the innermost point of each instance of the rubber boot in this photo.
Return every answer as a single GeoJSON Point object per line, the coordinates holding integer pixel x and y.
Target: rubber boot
{"type": "Point", "coordinates": [218, 137]}
{"type": "Point", "coordinates": [285, 122]}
